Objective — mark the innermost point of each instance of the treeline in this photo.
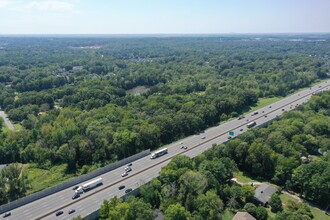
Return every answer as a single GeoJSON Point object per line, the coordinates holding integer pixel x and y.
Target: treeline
{"type": "Point", "coordinates": [199, 188]}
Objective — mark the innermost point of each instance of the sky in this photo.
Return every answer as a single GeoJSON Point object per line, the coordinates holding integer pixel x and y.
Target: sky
{"type": "Point", "coordinates": [163, 16]}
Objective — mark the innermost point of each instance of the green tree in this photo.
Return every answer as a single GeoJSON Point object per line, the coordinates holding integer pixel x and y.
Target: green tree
{"type": "Point", "coordinates": [261, 213]}
{"type": "Point", "coordinates": [210, 206]}
{"type": "Point", "coordinates": [176, 212]}
{"type": "Point", "coordinates": [250, 208]}
{"type": "Point", "coordinates": [275, 203]}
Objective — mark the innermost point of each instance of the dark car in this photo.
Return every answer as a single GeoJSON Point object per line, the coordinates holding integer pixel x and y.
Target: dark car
{"type": "Point", "coordinates": [71, 211]}
{"type": "Point", "coordinates": [59, 213]}
{"type": "Point", "coordinates": [7, 214]}
{"type": "Point", "coordinates": [184, 147]}
{"type": "Point", "coordinates": [229, 137]}
{"type": "Point", "coordinates": [76, 187]}
{"type": "Point", "coordinates": [130, 164]}
{"type": "Point", "coordinates": [241, 129]}
{"type": "Point", "coordinates": [121, 187]}
{"type": "Point", "coordinates": [76, 195]}
{"type": "Point", "coordinates": [128, 190]}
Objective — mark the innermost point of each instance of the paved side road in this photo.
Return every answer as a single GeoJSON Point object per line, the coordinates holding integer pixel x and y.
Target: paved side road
{"type": "Point", "coordinates": [7, 122]}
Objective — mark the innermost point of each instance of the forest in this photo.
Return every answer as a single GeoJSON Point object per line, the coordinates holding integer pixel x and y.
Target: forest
{"type": "Point", "coordinates": [77, 103]}
{"type": "Point", "coordinates": [200, 188]}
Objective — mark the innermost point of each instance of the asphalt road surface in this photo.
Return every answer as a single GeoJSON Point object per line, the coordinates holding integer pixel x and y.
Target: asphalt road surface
{"type": "Point", "coordinates": [144, 169]}
{"type": "Point", "coordinates": [7, 122]}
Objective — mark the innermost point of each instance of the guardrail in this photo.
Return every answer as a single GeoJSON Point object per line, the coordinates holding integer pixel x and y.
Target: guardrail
{"type": "Point", "coordinates": [46, 192]}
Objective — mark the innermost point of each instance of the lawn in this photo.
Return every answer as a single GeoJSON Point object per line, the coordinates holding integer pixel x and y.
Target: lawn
{"type": "Point", "coordinates": [242, 178]}
{"type": "Point", "coordinates": [228, 215]}
{"type": "Point", "coordinates": [318, 214]}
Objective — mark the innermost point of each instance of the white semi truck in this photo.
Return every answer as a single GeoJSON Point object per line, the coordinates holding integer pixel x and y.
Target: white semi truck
{"type": "Point", "coordinates": [89, 185]}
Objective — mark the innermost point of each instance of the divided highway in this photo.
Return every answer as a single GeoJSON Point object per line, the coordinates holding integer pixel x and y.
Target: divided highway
{"type": "Point", "coordinates": [144, 169]}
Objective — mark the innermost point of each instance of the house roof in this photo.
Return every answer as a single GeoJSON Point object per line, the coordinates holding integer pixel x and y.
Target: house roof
{"type": "Point", "coordinates": [264, 192]}
{"type": "Point", "coordinates": [243, 216]}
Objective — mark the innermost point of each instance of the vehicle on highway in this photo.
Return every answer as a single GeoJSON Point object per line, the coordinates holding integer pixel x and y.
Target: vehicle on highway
{"type": "Point", "coordinates": [128, 190]}
{"type": "Point", "coordinates": [59, 213]}
{"type": "Point", "coordinates": [203, 137]}
{"type": "Point", "coordinates": [124, 174]}
{"type": "Point", "coordinates": [184, 147]}
{"type": "Point", "coordinates": [71, 211]}
{"type": "Point", "coordinates": [241, 129]}
{"type": "Point", "coordinates": [251, 124]}
{"type": "Point", "coordinates": [129, 165]}
{"type": "Point", "coordinates": [128, 169]}
{"type": "Point", "coordinates": [240, 117]}
{"type": "Point", "coordinates": [7, 214]}
{"type": "Point", "coordinates": [159, 153]}
{"type": "Point", "coordinates": [229, 137]}
{"type": "Point", "coordinates": [76, 195]}
{"type": "Point", "coordinates": [76, 187]}
{"type": "Point", "coordinates": [121, 187]}
{"type": "Point", "coordinates": [265, 116]}
{"type": "Point", "coordinates": [283, 109]}
{"type": "Point", "coordinates": [255, 113]}
{"type": "Point", "coordinates": [89, 185]}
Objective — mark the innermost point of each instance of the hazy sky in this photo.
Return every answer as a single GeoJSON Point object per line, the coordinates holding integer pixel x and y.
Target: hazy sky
{"type": "Point", "coordinates": [163, 16]}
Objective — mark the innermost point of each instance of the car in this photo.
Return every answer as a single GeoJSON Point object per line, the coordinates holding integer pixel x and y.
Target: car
{"type": "Point", "coordinates": [265, 116]}
{"type": "Point", "coordinates": [76, 195]}
{"type": "Point", "coordinates": [129, 165]}
{"type": "Point", "coordinates": [241, 117]}
{"type": "Point", "coordinates": [203, 137]}
{"type": "Point", "coordinates": [71, 211]}
{"type": "Point", "coordinates": [76, 187]}
{"type": "Point", "coordinates": [128, 169]}
{"type": "Point", "coordinates": [124, 174]}
{"type": "Point", "coordinates": [121, 187]}
{"type": "Point", "coordinates": [7, 214]}
{"type": "Point", "coordinates": [184, 147]}
{"type": "Point", "coordinates": [263, 111]}
{"type": "Point", "coordinates": [128, 190]}
{"type": "Point", "coordinates": [241, 129]}
{"type": "Point", "coordinates": [270, 106]}
{"type": "Point", "coordinates": [283, 109]}
{"type": "Point", "coordinates": [229, 137]}
{"type": "Point", "coordinates": [59, 213]}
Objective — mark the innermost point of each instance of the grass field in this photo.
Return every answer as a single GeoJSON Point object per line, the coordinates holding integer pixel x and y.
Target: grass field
{"type": "Point", "coordinates": [318, 214]}
{"type": "Point", "coordinates": [40, 179]}
{"type": "Point", "coordinates": [262, 102]}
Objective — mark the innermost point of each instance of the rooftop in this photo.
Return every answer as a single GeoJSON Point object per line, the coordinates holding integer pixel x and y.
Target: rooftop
{"type": "Point", "coordinates": [264, 192]}
{"type": "Point", "coordinates": [243, 216]}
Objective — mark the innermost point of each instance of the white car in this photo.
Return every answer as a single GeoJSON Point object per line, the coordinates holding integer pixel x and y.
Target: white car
{"type": "Point", "coordinates": [128, 169]}
{"type": "Point", "coordinates": [124, 174]}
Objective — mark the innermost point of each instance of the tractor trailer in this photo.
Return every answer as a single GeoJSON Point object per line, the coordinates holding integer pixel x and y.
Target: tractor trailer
{"type": "Point", "coordinates": [89, 185]}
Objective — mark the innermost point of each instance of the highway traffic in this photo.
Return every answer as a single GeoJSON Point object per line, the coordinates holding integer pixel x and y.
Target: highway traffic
{"type": "Point", "coordinates": [144, 169]}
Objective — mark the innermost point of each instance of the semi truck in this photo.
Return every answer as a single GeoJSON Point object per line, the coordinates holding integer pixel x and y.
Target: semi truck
{"type": "Point", "coordinates": [159, 153]}
{"type": "Point", "coordinates": [89, 185]}
{"type": "Point", "coordinates": [251, 124]}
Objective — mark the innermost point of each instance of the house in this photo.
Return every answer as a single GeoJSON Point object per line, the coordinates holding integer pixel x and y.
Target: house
{"type": "Point", "coordinates": [243, 216]}
{"type": "Point", "coordinates": [263, 193]}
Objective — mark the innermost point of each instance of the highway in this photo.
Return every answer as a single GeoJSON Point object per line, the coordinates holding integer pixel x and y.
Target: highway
{"type": "Point", "coordinates": [144, 169]}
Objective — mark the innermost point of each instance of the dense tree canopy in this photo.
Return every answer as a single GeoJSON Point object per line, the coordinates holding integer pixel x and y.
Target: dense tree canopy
{"type": "Point", "coordinates": [92, 101]}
